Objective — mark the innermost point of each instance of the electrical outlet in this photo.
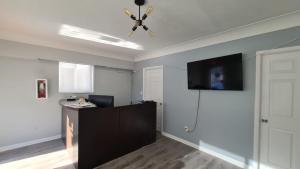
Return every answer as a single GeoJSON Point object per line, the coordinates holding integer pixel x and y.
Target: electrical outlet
{"type": "Point", "coordinates": [186, 128]}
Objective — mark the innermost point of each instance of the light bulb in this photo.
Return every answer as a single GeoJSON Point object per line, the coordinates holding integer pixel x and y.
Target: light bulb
{"type": "Point", "coordinates": [130, 34]}
{"type": "Point", "coordinates": [127, 12]}
{"type": "Point", "coordinates": [149, 10]}
{"type": "Point", "coordinates": [151, 34]}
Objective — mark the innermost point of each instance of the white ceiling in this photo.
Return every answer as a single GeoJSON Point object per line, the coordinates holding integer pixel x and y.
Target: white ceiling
{"type": "Point", "coordinates": [173, 21]}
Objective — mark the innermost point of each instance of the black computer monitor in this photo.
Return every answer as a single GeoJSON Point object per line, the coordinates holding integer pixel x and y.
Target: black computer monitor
{"type": "Point", "coordinates": [102, 100]}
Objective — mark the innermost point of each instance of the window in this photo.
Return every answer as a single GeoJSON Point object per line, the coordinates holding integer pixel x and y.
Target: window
{"type": "Point", "coordinates": [76, 78]}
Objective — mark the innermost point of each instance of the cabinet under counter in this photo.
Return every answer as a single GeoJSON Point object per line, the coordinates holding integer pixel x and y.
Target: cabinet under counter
{"type": "Point", "coordinates": [94, 136]}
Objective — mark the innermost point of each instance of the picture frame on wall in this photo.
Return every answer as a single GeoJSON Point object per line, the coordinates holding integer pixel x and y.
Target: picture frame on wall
{"type": "Point", "coordinates": [41, 89]}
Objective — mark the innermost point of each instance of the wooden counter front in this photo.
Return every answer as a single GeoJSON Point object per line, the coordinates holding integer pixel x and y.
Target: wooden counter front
{"type": "Point", "coordinates": [94, 136]}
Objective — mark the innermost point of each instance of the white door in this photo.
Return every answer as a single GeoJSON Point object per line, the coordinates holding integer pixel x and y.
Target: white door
{"type": "Point", "coordinates": [153, 90]}
{"type": "Point", "coordinates": [280, 111]}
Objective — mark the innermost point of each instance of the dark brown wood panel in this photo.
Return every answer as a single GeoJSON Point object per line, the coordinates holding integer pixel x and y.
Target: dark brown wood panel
{"type": "Point", "coordinates": [98, 136]}
{"type": "Point", "coordinates": [137, 126]}
{"type": "Point", "coordinates": [94, 136]}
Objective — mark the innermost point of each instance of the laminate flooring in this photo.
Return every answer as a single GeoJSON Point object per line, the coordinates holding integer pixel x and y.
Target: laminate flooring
{"type": "Point", "coordinates": [165, 153]}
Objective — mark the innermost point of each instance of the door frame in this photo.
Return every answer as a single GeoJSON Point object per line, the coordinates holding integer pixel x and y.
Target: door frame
{"type": "Point", "coordinates": [258, 104]}
{"type": "Point", "coordinates": [151, 68]}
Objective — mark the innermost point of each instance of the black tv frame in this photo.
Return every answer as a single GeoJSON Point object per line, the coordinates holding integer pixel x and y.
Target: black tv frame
{"type": "Point", "coordinates": [211, 59]}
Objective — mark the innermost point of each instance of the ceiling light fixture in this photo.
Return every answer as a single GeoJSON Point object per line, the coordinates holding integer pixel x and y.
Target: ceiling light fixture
{"type": "Point", "coordinates": [90, 35]}
{"type": "Point", "coordinates": [139, 20]}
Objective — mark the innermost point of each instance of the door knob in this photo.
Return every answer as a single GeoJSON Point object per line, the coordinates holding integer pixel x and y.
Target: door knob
{"type": "Point", "coordinates": [264, 120]}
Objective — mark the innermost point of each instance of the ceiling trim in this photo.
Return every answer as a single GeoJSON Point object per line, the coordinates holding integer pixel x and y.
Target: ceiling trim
{"type": "Point", "coordinates": [265, 26]}
{"type": "Point", "coordinates": [63, 46]}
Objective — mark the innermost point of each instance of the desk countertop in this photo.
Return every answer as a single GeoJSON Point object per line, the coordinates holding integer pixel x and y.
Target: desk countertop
{"type": "Point", "coordinates": [76, 105]}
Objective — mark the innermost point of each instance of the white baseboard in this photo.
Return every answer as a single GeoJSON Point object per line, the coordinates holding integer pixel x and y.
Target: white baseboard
{"type": "Point", "coordinates": [208, 151]}
{"type": "Point", "coordinates": [28, 143]}
{"type": "Point", "coordinates": [180, 140]}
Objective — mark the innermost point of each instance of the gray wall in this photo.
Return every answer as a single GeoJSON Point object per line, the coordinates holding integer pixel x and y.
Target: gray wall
{"type": "Point", "coordinates": [26, 51]}
{"type": "Point", "coordinates": [23, 118]}
{"type": "Point", "coordinates": [115, 83]}
{"type": "Point", "coordinates": [225, 121]}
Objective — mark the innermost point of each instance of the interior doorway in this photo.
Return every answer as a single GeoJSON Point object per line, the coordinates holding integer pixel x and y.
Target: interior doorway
{"type": "Point", "coordinates": [277, 117]}
{"type": "Point", "coordinates": [153, 90]}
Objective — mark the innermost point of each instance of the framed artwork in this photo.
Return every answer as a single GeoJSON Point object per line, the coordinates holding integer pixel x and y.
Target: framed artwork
{"type": "Point", "coordinates": [41, 89]}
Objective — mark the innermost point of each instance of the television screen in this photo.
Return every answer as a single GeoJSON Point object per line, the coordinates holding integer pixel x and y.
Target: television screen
{"type": "Point", "coordinates": [222, 73]}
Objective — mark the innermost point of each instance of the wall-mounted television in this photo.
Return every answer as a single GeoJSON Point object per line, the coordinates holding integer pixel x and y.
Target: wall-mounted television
{"type": "Point", "coordinates": [221, 73]}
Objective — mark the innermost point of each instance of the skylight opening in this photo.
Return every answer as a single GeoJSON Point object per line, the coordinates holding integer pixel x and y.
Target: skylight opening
{"type": "Point", "coordinates": [90, 35]}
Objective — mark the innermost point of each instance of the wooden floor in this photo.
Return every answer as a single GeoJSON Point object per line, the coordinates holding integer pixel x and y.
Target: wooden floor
{"type": "Point", "coordinates": [163, 154]}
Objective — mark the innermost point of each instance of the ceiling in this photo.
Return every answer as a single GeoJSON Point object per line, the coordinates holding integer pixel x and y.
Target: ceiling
{"type": "Point", "coordinates": [176, 21]}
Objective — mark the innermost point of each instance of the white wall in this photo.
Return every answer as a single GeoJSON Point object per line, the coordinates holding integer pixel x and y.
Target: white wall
{"type": "Point", "coordinates": [23, 118]}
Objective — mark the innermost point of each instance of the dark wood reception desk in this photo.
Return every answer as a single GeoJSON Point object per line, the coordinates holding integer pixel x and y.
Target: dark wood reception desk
{"type": "Point", "coordinates": [94, 136]}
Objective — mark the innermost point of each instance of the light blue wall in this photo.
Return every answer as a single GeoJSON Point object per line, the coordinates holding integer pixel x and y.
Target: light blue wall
{"type": "Point", "coordinates": [226, 117]}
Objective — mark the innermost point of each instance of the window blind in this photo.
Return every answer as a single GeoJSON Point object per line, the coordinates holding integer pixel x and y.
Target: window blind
{"type": "Point", "coordinates": [76, 78]}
